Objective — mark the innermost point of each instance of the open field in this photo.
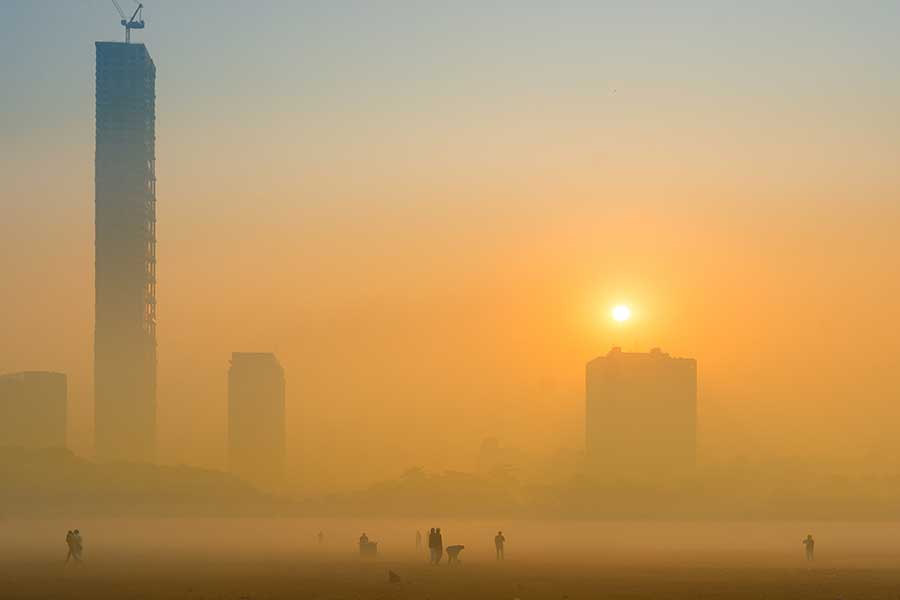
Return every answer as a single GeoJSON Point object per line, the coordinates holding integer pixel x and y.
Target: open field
{"type": "Point", "coordinates": [269, 559]}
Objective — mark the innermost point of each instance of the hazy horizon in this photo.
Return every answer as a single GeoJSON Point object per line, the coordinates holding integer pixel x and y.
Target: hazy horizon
{"type": "Point", "coordinates": [428, 212]}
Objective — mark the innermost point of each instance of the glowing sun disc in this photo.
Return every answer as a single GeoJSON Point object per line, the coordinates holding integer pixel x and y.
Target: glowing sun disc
{"type": "Point", "coordinates": [621, 313]}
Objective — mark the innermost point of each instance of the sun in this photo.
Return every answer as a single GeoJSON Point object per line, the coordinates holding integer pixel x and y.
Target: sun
{"type": "Point", "coordinates": [621, 313]}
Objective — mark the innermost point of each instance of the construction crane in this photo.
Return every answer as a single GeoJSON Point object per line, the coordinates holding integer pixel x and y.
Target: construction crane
{"type": "Point", "coordinates": [130, 24]}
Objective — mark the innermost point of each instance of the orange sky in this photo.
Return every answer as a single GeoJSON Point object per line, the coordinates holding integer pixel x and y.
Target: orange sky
{"type": "Point", "coordinates": [433, 255]}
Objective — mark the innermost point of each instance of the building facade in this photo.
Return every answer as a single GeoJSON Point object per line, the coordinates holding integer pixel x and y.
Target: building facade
{"type": "Point", "coordinates": [125, 253]}
{"type": "Point", "coordinates": [33, 409]}
{"type": "Point", "coordinates": [256, 419]}
{"type": "Point", "coordinates": [641, 415]}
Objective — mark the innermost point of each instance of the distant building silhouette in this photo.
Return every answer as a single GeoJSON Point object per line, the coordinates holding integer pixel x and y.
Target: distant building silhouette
{"type": "Point", "coordinates": [641, 418]}
{"type": "Point", "coordinates": [256, 429]}
{"type": "Point", "coordinates": [33, 409]}
{"type": "Point", "coordinates": [125, 246]}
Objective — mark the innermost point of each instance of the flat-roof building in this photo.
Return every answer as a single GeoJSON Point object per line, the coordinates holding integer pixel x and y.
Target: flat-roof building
{"type": "Point", "coordinates": [256, 423]}
{"type": "Point", "coordinates": [641, 414]}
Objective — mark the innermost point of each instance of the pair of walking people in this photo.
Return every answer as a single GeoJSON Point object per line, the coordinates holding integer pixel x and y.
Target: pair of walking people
{"type": "Point", "coordinates": [435, 545]}
{"type": "Point", "coordinates": [75, 544]}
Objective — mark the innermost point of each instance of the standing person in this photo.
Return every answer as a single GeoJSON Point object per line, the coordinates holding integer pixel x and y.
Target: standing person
{"type": "Point", "coordinates": [431, 544]}
{"type": "Point", "coordinates": [70, 543]}
{"type": "Point", "coordinates": [499, 540]}
{"type": "Point", "coordinates": [418, 540]}
{"type": "Point", "coordinates": [77, 545]}
{"type": "Point", "coordinates": [438, 546]}
{"type": "Point", "coordinates": [810, 544]}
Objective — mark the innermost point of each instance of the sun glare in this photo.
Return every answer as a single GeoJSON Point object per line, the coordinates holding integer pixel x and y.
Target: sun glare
{"type": "Point", "coordinates": [621, 313]}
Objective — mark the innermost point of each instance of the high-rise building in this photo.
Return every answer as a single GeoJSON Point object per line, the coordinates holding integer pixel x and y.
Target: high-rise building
{"type": "Point", "coordinates": [33, 409]}
{"type": "Point", "coordinates": [641, 419]}
{"type": "Point", "coordinates": [256, 428]}
{"type": "Point", "coordinates": [125, 246]}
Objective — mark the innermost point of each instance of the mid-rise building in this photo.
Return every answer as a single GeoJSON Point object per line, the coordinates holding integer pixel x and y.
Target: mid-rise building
{"type": "Point", "coordinates": [256, 419]}
{"type": "Point", "coordinates": [641, 414]}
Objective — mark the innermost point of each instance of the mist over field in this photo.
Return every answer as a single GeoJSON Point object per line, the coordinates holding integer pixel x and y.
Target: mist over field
{"type": "Point", "coordinates": [273, 558]}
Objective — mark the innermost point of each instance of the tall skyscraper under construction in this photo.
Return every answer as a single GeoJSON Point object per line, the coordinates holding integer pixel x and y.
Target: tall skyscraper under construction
{"type": "Point", "coordinates": [125, 246]}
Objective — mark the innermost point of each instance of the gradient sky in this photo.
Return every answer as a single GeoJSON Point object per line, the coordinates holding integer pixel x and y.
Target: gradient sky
{"type": "Point", "coordinates": [427, 212]}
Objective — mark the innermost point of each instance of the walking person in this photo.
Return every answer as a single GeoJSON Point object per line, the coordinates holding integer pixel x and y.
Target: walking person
{"type": "Point", "coordinates": [70, 544]}
{"type": "Point", "coordinates": [810, 544]}
{"type": "Point", "coordinates": [77, 546]}
{"type": "Point", "coordinates": [499, 541]}
{"type": "Point", "coordinates": [418, 540]}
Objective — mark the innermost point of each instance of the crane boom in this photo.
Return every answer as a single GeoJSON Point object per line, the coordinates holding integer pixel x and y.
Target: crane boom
{"type": "Point", "coordinates": [131, 23]}
{"type": "Point", "coordinates": [136, 11]}
{"type": "Point", "coordinates": [119, 8]}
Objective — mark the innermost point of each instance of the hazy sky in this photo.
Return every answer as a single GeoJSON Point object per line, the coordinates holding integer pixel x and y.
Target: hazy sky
{"type": "Point", "coordinates": [427, 210]}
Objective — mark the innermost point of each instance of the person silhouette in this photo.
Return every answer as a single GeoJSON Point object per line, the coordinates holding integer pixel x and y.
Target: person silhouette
{"type": "Point", "coordinates": [321, 538]}
{"type": "Point", "coordinates": [453, 553]}
{"type": "Point", "coordinates": [499, 540]}
{"type": "Point", "coordinates": [366, 548]}
{"type": "Point", "coordinates": [70, 544]}
{"type": "Point", "coordinates": [418, 540]}
{"type": "Point", "coordinates": [810, 544]}
{"type": "Point", "coordinates": [432, 542]}
{"type": "Point", "coordinates": [77, 546]}
{"type": "Point", "coordinates": [438, 546]}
